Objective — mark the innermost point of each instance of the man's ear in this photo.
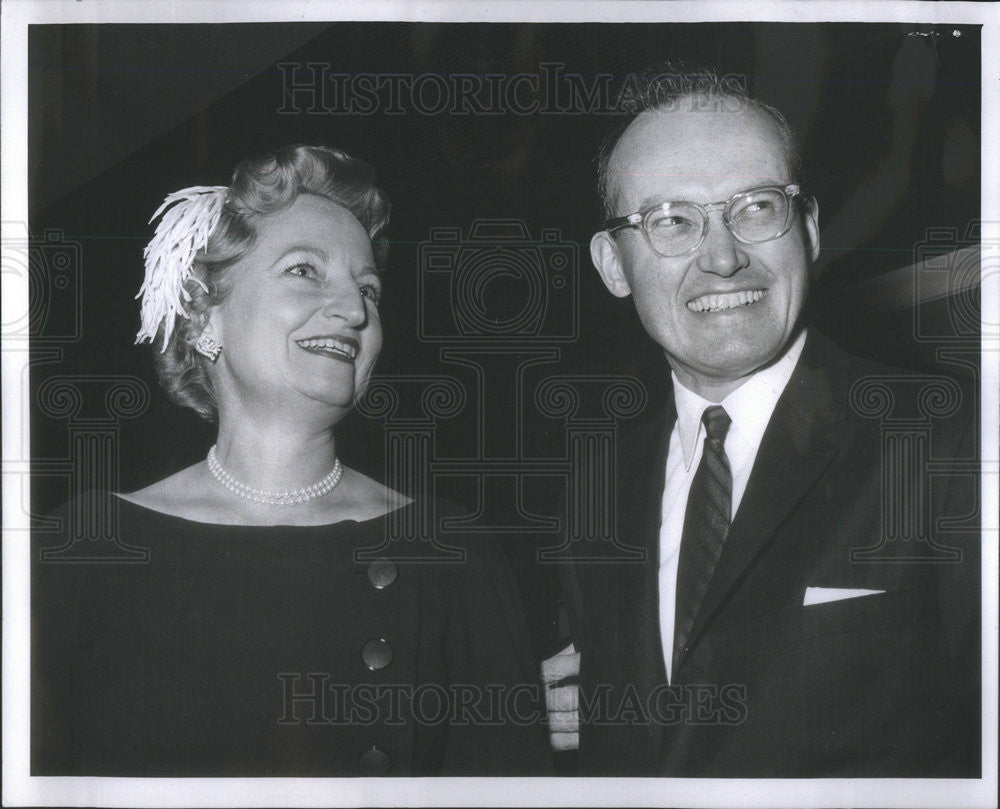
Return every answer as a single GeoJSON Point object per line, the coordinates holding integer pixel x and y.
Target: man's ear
{"type": "Point", "coordinates": [810, 218]}
{"type": "Point", "coordinates": [604, 254]}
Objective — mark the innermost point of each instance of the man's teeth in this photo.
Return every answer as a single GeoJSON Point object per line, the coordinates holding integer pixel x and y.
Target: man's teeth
{"type": "Point", "coordinates": [329, 344]}
{"type": "Point", "coordinates": [729, 300]}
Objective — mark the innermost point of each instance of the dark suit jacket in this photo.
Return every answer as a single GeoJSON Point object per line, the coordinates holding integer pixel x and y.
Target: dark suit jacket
{"type": "Point", "coordinates": [882, 685]}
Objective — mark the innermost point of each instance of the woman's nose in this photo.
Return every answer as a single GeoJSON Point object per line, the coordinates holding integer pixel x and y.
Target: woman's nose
{"type": "Point", "coordinates": [344, 300]}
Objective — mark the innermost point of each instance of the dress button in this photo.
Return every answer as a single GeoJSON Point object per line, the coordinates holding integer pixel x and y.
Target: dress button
{"type": "Point", "coordinates": [382, 573]}
{"type": "Point", "coordinates": [377, 654]}
{"type": "Point", "coordinates": [374, 762]}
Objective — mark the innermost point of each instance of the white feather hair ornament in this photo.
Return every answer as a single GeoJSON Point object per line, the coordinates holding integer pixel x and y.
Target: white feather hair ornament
{"type": "Point", "coordinates": [169, 256]}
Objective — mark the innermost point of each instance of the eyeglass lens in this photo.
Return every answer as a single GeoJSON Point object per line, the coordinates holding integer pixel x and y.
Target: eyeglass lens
{"type": "Point", "coordinates": [754, 217]}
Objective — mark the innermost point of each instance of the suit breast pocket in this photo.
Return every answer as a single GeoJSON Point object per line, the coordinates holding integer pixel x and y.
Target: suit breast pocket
{"type": "Point", "coordinates": [854, 638]}
{"type": "Point", "coordinates": [872, 615]}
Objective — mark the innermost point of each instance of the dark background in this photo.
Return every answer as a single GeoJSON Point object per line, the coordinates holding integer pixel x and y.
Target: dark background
{"type": "Point", "coordinates": [121, 115]}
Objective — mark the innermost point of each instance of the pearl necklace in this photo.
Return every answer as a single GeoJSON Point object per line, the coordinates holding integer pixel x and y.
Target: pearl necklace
{"type": "Point", "coordinates": [289, 498]}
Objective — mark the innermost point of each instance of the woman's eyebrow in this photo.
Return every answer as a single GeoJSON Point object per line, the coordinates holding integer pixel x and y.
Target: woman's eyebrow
{"type": "Point", "coordinates": [319, 252]}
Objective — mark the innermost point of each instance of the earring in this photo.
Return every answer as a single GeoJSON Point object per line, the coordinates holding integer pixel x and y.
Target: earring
{"type": "Point", "coordinates": [207, 347]}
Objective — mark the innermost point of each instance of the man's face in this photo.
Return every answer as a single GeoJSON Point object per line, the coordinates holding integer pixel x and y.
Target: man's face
{"type": "Point", "coordinates": [707, 156]}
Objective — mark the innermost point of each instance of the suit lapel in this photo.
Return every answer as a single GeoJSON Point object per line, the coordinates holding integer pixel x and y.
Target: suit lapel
{"type": "Point", "coordinates": [643, 469]}
{"type": "Point", "coordinates": [797, 447]}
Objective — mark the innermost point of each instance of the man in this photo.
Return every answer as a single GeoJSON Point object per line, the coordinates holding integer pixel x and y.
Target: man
{"type": "Point", "coordinates": [762, 635]}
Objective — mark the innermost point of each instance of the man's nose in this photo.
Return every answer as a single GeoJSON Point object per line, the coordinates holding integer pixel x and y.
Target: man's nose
{"type": "Point", "coordinates": [721, 253]}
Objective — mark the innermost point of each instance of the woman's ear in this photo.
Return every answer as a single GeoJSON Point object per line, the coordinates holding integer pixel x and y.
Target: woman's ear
{"type": "Point", "coordinates": [211, 323]}
{"type": "Point", "coordinates": [604, 254]}
{"type": "Point", "coordinates": [207, 324]}
{"type": "Point", "coordinates": [201, 310]}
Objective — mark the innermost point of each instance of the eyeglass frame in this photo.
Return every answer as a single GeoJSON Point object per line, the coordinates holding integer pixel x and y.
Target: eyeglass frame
{"type": "Point", "coordinates": [792, 191]}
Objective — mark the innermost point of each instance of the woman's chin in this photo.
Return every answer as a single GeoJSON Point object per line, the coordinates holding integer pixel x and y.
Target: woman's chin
{"type": "Point", "coordinates": [324, 400]}
{"type": "Point", "coordinates": [340, 401]}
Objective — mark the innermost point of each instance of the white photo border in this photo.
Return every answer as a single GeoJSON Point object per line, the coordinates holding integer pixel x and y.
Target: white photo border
{"type": "Point", "coordinates": [19, 788]}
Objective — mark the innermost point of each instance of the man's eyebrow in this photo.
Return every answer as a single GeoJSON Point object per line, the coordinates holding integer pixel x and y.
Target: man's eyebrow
{"type": "Point", "coordinates": [659, 199]}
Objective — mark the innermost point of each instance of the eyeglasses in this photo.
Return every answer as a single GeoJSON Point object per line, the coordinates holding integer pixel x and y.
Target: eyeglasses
{"type": "Point", "coordinates": [678, 228]}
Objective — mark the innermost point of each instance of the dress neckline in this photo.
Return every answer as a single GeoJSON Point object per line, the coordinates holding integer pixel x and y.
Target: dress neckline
{"type": "Point", "coordinates": [284, 526]}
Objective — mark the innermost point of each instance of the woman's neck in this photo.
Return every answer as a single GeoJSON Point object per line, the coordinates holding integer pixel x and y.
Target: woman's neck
{"type": "Point", "coordinates": [275, 455]}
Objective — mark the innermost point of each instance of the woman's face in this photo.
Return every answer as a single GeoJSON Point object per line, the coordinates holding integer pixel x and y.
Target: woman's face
{"type": "Point", "coordinates": [301, 317]}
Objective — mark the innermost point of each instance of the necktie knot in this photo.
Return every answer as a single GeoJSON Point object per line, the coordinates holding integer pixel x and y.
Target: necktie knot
{"type": "Point", "coordinates": [716, 421]}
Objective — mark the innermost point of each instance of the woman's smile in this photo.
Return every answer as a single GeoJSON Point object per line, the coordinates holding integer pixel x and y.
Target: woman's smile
{"type": "Point", "coordinates": [344, 349]}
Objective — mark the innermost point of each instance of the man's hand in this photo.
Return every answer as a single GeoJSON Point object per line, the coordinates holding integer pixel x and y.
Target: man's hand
{"type": "Point", "coordinates": [560, 676]}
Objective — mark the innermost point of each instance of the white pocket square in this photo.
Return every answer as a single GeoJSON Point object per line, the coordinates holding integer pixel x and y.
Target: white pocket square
{"type": "Point", "coordinates": [823, 595]}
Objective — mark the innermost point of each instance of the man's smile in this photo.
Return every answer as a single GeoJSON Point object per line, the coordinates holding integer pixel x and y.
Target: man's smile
{"type": "Point", "coordinates": [720, 302]}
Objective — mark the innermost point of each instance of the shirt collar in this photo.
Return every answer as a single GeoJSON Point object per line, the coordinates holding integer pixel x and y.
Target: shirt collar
{"type": "Point", "coordinates": [749, 406]}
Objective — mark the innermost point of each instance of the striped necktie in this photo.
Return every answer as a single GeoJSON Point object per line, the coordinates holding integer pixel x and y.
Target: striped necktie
{"type": "Point", "coordinates": [706, 524]}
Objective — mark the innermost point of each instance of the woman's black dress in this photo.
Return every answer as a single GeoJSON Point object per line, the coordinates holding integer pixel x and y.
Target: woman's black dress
{"type": "Point", "coordinates": [275, 651]}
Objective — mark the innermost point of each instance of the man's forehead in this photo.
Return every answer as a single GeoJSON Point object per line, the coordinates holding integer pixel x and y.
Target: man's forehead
{"type": "Point", "coordinates": [687, 154]}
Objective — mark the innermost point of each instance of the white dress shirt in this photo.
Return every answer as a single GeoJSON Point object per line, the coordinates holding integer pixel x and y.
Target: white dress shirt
{"type": "Point", "coordinates": [749, 407]}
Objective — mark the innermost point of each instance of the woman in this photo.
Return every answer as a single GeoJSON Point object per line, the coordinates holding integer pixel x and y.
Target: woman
{"type": "Point", "coordinates": [253, 641]}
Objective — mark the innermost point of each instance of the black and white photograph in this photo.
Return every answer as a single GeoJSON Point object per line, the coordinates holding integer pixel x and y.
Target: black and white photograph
{"type": "Point", "coordinates": [500, 404]}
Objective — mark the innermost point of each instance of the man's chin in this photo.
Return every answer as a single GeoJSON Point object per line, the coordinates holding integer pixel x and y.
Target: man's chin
{"type": "Point", "coordinates": [733, 363]}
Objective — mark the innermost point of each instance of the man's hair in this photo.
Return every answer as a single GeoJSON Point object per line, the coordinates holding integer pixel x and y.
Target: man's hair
{"type": "Point", "coordinates": [666, 86]}
{"type": "Point", "coordinates": [260, 186]}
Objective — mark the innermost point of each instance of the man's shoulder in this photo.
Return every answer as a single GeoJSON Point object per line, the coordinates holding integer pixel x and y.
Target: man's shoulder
{"type": "Point", "coordinates": [821, 352]}
{"type": "Point", "coordinates": [823, 360]}
{"type": "Point", "coordinates": [862, 389]}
